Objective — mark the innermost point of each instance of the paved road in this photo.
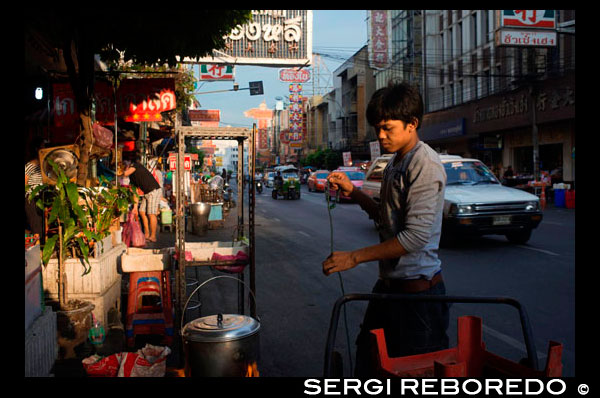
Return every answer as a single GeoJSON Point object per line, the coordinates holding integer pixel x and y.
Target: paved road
{"type": "Point", "coordinates": [295, 299]}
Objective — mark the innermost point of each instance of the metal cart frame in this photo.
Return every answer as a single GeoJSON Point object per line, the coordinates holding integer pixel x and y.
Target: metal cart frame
{"type": "Point", "coordinates": [224, 133]}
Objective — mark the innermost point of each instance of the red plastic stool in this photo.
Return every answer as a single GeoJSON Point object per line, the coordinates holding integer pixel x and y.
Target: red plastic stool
{"type": "Point", "coordinates": [149, 306]}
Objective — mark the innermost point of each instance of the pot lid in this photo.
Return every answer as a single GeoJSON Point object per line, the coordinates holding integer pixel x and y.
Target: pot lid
{"type": "Point", "coordinates": [220, 327]}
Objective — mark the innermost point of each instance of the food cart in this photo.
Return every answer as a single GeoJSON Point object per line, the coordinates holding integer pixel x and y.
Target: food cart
{"type": "Point", "coordinates": [184, 259]}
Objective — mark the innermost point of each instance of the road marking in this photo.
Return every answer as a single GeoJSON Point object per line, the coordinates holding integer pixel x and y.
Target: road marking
{"type": "Point", "coordinates": [276, 219]}
{"type": "Point", "coordinates": [553, 223]}
{"type": "Point", "coordinates": [509, 340]}
{"type": "Point", "coordinates": [304, 233]}
{"type": "Point", "coordinates": [538, 250]}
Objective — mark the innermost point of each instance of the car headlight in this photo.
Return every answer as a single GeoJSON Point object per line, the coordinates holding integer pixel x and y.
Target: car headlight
{"type": "Point", "coordinates": [532, 206]}
{"type": "Point", "coordinates": [461, 210]}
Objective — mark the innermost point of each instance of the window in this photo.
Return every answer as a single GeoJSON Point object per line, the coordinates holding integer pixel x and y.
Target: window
{"type": "Point", "coordinates": [474, 31]}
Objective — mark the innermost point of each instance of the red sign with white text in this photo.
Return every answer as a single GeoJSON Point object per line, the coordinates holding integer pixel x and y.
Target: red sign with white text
{"type": "Point", "coordinates": [142, 100]}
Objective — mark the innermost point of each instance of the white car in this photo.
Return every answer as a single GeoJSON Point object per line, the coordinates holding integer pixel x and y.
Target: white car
{"type": "Point", "coordinates": [475, 202]}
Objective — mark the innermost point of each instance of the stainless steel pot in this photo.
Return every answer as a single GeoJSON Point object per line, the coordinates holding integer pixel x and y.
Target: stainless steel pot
{"type": "Point", "coordinates": [200, 212]}
{"type": "Point", "coordinates": [222, 345]}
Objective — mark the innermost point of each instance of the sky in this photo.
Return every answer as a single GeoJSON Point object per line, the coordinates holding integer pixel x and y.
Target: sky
{"type": "Point", "coordinates": [338, 34]}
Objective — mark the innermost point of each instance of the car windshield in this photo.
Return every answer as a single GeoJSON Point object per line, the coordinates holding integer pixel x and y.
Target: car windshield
{"type": "Point", "coordinates": [321, 175]}
{"type": "Point", "coordinates": [355, 175]}
{"type": "Point", "coordinates": [468, 173]}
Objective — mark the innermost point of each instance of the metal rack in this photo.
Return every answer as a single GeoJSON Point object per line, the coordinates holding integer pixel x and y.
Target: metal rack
{"type": "Point", "coordinates": [214, 133]}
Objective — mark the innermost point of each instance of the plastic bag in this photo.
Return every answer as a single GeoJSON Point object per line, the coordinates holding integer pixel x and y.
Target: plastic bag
{"type": "Point", "coordinates": [150, 361]}
{"type": "Point", "coordinates": [132, 233]}
{"type": "Point", "coordinates": [103, 137]}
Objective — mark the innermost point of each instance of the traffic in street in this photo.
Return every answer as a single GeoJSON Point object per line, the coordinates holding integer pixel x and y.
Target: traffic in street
{"type": "Point", "coordinates": [295, 299]}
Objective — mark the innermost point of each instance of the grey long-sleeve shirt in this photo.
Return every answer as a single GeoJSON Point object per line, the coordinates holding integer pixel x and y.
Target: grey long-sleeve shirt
{"type": "Point", "coordinates": [411, 208]}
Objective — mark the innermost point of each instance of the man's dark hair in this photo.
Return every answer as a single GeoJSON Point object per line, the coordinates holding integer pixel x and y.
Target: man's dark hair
{"type": "Point", "coordinates": [397, 101]}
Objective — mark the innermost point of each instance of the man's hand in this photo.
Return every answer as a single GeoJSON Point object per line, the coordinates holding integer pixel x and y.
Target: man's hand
{"type": "Point", "coordinates": [340, 180]}
{"type": "Point", "coordinates": [339, 261]}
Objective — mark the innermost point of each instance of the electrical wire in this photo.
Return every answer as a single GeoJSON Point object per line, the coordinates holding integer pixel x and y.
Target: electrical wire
{"type": "Point", "coordinates": [329, 208]}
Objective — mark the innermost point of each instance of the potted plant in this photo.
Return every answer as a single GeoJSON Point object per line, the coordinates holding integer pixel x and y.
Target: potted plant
{"type": "Point", "coordinates": [69, 230]}
{"type": "Point", "coordinates": [106, 204]}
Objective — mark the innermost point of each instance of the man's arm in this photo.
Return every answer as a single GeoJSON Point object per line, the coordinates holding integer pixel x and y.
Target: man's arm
{"type": "Point", "coordinates": [342, 261]}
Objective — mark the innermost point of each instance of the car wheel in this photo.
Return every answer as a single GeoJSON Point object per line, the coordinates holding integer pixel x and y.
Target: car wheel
{"type": "Point", "coordinates": [519, 237]}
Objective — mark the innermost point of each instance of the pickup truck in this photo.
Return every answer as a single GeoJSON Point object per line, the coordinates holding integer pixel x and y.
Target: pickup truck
{"type": "Point", "coordinates": [475, 202]}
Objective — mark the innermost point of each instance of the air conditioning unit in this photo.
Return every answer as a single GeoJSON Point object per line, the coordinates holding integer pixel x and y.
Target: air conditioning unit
{"type": "Point", "coordinates": [66, 156]}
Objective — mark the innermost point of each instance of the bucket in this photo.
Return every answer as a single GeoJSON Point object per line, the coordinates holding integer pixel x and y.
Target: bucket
{"type": "Point", "coordinates": [222, 345]}
{"type": "Point", "coordinates": [200, 212]}
{"type": "Point", "coordinates": [559, 197]}
{"type": "Point", "coordinates": [570, 199]}
{"type": "Point", "coordinates": [166, 216]}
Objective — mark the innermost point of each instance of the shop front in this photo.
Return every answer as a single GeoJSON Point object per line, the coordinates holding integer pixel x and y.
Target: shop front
{"type": "Point", "coordinates": [498, 130]}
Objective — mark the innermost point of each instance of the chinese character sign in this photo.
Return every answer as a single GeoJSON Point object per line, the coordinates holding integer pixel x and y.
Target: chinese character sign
{"type": "Point", "coordinates": [380, 39]}
{"type": "Point", "coordinates": [295, 113]}
{"type": "Point", "coordinates": [210, 72]}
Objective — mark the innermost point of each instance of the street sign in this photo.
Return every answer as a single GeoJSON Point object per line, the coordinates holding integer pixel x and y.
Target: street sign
{"type": "Point", "coordinates": [256, 88]}
{"type": "Point", "coordinates": [187, 162]}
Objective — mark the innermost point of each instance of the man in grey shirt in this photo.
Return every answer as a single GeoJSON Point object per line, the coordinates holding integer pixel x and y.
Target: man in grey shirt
{"type": "Point", "coordinates": [409, 218]}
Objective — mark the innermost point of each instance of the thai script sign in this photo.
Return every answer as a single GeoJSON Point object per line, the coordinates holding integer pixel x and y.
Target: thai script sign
{"type": "Point", "coordinates": [210, 72]}
{"type": "Point", "coordinates": [544, 19]}
{"type": "Point", "coordinates": [142, 100]}
{"type": "Point", "coordinates": [273, 37]}
{"type": "Point", "coordinates": [138, 100]}
{"type": "Point", "coordinates": [380, 39]}
{"type": "Point", "coordinates": [523, 38]}
{"type": "Point", "coordinates": [294, 76]}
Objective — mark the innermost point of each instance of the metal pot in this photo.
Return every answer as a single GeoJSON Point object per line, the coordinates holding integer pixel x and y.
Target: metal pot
{"type": "Point", "coordinates": [200, 212]}
{"type": "Point", "coordinates": [222, 345]}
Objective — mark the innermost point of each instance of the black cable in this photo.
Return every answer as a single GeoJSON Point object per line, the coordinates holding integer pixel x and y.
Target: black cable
{"type": "Point", "coordinates": [329, 208]}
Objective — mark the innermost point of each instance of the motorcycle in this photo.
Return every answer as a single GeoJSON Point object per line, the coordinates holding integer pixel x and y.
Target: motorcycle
{"type": "Point", "coordinates": [259, 186]}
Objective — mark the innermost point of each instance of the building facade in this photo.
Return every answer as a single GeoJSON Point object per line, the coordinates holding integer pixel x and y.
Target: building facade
{"type": "Point", "coordinates": [498, 103]}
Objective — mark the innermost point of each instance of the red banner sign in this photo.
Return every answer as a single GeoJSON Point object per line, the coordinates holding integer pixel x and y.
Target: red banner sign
{"type": "Point", "coordinates": [142, 100]}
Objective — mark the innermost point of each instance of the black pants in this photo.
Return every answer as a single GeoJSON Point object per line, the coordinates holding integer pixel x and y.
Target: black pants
{"type": "Point", "coordinates": [410, 328]}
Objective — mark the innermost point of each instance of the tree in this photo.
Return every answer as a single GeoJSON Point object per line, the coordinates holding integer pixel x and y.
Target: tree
{"type": "Point", "coordinates": [145, 37]}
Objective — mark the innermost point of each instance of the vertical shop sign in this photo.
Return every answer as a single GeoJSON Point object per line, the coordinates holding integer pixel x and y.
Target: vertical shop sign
{"type": "Point", "coordinates": [380, 39]}
{"type": "Point", "coordinates": [295, 114]}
